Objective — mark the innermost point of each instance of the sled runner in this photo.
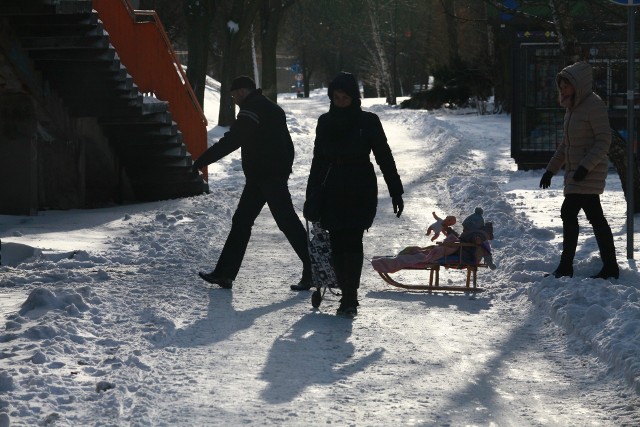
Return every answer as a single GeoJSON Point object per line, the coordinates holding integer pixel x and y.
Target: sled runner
{"type": "Point", "coordinates": [461, 256]}
{"type": "Point", "coordinates": [322, 273]}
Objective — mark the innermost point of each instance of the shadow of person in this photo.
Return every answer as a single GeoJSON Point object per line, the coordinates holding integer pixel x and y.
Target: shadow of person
{"type": "Point", "coordinates": [315, 350]}
{"type": "Point", "coordinates": [222, 320]}
{"type": "Point", "coordinates": [467, 302]}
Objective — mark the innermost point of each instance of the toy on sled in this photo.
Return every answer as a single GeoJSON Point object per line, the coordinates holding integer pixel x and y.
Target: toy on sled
{"type": "Point", "coordinates": [322, 272]}
{"type": "Point", "coordinates": [468, 251]}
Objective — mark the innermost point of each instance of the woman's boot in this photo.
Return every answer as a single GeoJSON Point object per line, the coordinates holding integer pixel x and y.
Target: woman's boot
{"type": "Point", "coordinates": [610, 268]}
{"type": "Point", "coordinates": [352, 270]}
{"type": "Point", "coordinates": [570, 231]}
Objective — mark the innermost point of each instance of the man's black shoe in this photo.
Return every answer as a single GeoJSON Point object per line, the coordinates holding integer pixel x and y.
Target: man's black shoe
{"type": "Point", "coordinates": [223, 282]}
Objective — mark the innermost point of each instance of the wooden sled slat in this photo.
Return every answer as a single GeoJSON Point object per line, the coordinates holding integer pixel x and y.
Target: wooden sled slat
{"type": "Point", "coordinates": [434, 287]}
{"type": "Point", "coordinates": [434, 275]}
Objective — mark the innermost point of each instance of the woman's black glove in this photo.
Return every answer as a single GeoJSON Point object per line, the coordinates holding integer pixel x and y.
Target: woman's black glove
{"type": "Point", "coordinates": [581, 172]}
{"type": "Point", "coordinates": [545, 181]}
{"type": "Point", "coordinates": [398, 205]}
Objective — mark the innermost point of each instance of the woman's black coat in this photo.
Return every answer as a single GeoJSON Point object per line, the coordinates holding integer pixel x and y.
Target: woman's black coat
{"type": "Point", "coordinates": [341, 154]}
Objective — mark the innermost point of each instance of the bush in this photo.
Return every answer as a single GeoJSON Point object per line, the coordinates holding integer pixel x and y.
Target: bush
{"type": "Point", "coordinates": [436, 97]}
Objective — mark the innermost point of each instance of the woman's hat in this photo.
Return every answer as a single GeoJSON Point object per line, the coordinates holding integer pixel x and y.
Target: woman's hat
{"type": "Point", "coordinates": [346, 82]}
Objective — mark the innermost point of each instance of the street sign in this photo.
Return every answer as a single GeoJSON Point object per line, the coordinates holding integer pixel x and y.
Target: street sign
{"type": "Point", "coordinates": [626, 2]}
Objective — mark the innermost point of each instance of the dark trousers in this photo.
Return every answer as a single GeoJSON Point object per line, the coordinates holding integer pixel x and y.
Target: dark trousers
{"type": "Point", "coordinates": [347, 254]}
{"type": "Point", "coordinates": [275, 193]}
{"type": "Point", "coordinates": [590, 204]}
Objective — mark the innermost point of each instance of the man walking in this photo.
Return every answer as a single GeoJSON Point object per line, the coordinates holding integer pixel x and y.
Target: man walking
{"type": "Point", "coordinates": [261, 133]}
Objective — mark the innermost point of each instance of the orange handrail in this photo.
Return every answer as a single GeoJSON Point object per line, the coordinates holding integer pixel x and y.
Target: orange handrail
{"type": "Point", "coordinates": [144, 48]}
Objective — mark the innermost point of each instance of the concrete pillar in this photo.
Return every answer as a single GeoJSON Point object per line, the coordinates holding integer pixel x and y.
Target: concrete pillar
{"type": "Point", "coordinates": [18, 155]}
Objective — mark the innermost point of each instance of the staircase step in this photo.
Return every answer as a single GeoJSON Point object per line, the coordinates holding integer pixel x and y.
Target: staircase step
{"type": "Point", "coordinates": [90, 55]}
{"type": "Point", "coordinates": [161, 164]}
{"type": "Point", "coordinates": [145, 120]}
{"type": "Point", "coordinates": [69, 42]}
{"type": "Point", "coordinates": [150, 191]}
{"type": "Point", "coordinates": [88, 84]}
{"type": "Point", "coordinates": [37, 22]}
{"type": "Point", "coordinates": [146, 171]}
{"type": "Point", "coordinates": [153, 105]}
{"type": "Point", "coordinates": [104, 107]}
{"type": "Point", "coordinates": [87, 67]}
{"type": "Point", "coordinates": [144, 133]}
{"type": "Point", "coordinates": [31, 7]}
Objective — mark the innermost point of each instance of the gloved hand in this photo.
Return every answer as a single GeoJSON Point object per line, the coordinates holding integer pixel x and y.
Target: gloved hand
{"type": "Point", "coordinates": [580, 173]}
{"type": "Point", "coordinates": [196, 167]}
{"type": "Point", "coordinates": [545, 181]}
{"type": "Point", "coordinates": [398, 205]}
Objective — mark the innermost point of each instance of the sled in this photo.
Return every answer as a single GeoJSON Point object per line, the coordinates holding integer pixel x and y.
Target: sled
{"type": "Point", "coordinates": [322, 272]}
{"type": "Point", "coordinates": [455, 261]}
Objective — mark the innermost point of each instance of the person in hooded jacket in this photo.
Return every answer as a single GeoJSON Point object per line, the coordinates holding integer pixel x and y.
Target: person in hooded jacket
{"type": "Point", "coordinates": [345, 137]}
{"type": "Point", "coordinates": [261, 133]}
{"type": "Point", "coordinates": [583, 154]}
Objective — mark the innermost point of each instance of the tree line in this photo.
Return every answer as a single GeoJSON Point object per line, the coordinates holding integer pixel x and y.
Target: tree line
{"type": "Point", "coordinates": [392, 45]}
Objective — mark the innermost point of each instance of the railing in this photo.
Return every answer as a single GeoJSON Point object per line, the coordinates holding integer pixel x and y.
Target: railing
{"type": "Point", "coordinates": [144, 48]}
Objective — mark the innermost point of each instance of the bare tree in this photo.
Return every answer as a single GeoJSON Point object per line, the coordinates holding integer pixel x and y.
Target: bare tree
{"type": "Point", "coordinates": [376, 49]}
{"type": "Point", "coordinates": [199, 16]}
{"type": "Point", "coordinates": [271, 16]}
{"type": "Point", "coordinates": [238, 16]}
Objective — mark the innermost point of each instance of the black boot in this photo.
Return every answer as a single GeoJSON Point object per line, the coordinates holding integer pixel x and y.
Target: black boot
{"type": "Point", "coordinates": [611, 272]}
{"type": "Point", "coordinates": [570, 231]}
{"type": "Point", "coordinates": [348, 303]}
{"type": "Point", "coordinates": [305, 283]}
{"type": "Point", "coordinates": [610, 269]}
{"type": "Point", "coordinates": [350, 276]}
{"type": "Point", "coordinates": [563, 270]}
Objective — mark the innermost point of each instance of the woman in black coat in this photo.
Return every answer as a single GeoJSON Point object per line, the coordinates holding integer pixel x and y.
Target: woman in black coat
{"type": "Point", "coordinates": [345, 137]}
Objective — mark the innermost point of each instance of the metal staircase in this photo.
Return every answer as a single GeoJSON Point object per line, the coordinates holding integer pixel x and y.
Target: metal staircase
{"type": "Point", "coordinates": [72, 57]}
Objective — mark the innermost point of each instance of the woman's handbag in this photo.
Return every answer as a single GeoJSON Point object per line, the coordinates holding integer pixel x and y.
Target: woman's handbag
{"type": "Point", "coordinates": [312, 209]}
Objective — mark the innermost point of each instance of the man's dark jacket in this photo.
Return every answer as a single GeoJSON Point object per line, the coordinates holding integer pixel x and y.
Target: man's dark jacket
{"type": "Point", "coordinates": [261, 133]}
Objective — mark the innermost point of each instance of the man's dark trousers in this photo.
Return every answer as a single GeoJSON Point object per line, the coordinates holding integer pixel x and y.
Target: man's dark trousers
{"type": "Point", "coordinates": [275, 193]}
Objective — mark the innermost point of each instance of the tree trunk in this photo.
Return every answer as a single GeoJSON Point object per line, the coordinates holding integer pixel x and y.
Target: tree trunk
{"type": "Point", "coordinates": [269, 43]}
{"type": "Point", "coordinates": [237, 26]}
{"type": "Point", "coordinates": [306, 72]}
{"type": "Point", "coordinates": [452, 30]}
{"type": "Point", "coordinates": [271, 13]}
{"type": "Point", "coordinates": [378, 51]}
{"type": "Point", "coordinates": [199, 15]}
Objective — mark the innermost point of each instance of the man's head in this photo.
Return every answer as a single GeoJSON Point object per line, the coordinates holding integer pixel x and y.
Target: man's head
{"type": "Point", "coordinates": [241, 87]}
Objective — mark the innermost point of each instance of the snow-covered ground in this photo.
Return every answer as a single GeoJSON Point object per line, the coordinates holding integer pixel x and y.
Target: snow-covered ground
{"type": "Point", "coordinates": [105, 323]}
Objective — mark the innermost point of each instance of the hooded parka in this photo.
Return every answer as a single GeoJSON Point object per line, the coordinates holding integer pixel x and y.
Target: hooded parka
{"type": "Point", "coordinates": [345, 137]}
{"type": "Point", "coordinates": [587, 135]}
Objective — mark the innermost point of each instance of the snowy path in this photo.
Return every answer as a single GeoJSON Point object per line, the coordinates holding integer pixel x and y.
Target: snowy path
{"type": "Point", "coordinates": [181, 354]}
